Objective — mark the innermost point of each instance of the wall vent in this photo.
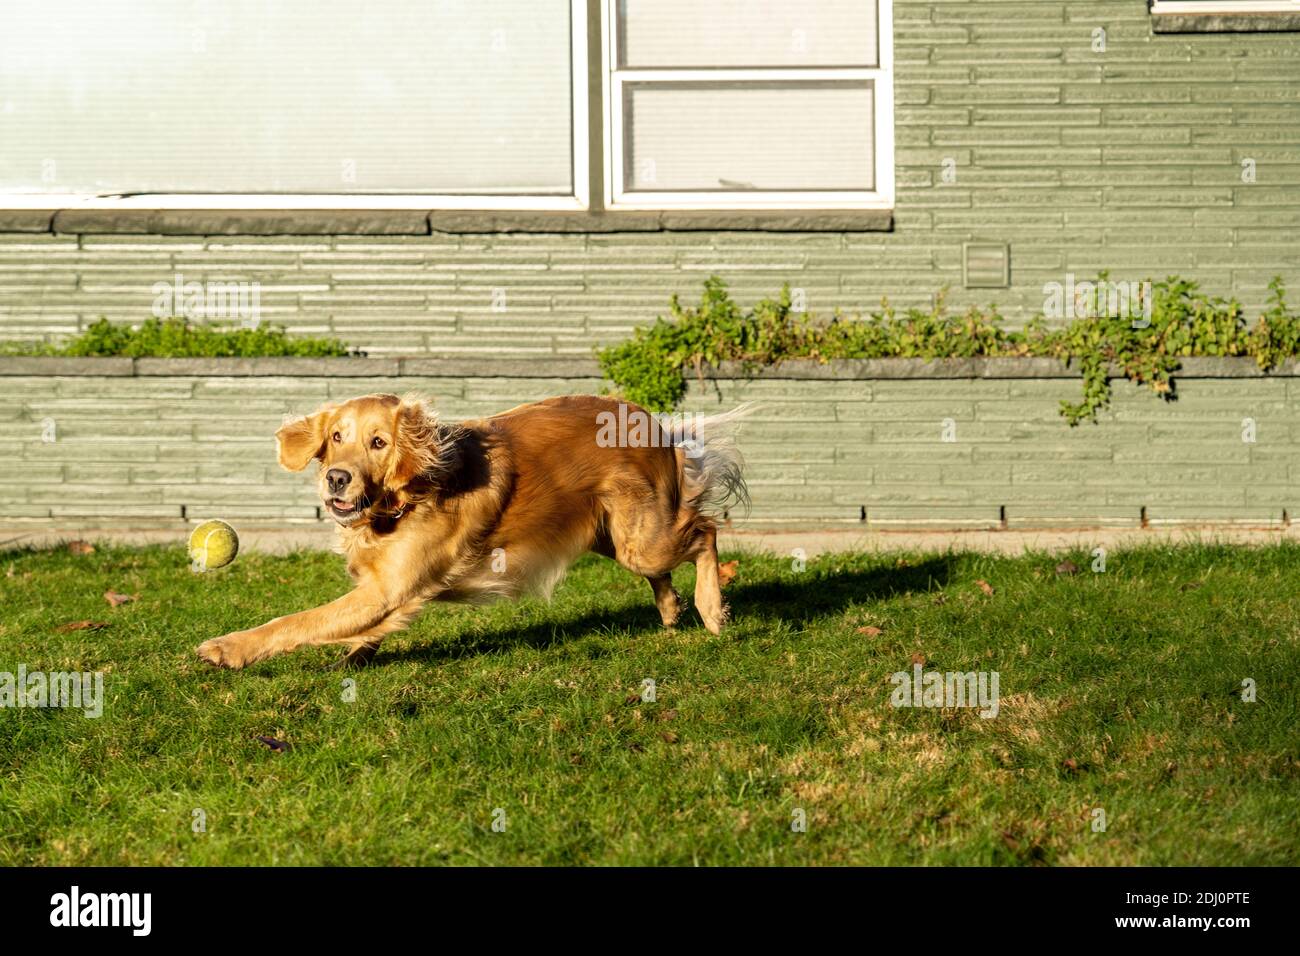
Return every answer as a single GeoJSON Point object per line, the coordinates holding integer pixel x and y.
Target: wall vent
{"type": "Point", "coordinates": [986, 265]}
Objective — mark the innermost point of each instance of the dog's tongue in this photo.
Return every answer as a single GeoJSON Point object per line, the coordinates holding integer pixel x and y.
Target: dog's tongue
{"type": "Point", "coordinates": [342, 505]}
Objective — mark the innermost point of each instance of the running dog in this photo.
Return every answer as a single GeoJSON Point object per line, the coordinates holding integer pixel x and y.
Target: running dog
{"type": "Point", "coordinates": [498, 507]}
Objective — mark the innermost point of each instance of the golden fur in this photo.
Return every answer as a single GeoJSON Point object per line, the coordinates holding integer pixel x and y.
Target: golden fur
{"type": "Point", "coordinates": [492, 508]}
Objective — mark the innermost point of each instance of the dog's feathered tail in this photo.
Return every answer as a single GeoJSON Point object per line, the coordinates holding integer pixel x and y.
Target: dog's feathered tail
{"type": "Point", "coordinates": [712, 467]}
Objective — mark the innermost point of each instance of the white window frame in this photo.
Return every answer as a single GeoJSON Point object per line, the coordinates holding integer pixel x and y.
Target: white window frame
{"type": "Point", "coordinates": [1183, 8]}
{"type": "Point", "coordinates": [578, 200]}
{"type": "Point", "coordinates": [881, 76]}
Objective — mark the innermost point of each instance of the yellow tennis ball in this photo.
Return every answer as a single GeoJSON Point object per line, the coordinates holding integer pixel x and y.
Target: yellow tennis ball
{"type": "Point", "coordinates": [213, 544]}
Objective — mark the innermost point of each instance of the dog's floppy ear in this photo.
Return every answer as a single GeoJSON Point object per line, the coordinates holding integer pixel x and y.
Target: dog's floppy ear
{"type": "Point", "coordinates": [417, 443]}
{"type": "Point", "coordinates": [299, 441]}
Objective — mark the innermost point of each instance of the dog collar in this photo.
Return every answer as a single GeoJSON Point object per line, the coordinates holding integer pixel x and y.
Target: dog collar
{"type": "Point", "coordinates": [394, 515]}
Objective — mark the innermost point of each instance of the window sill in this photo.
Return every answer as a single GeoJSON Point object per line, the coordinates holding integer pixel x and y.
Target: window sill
{"type": "Point", "coordinates": [401, 222]}
{"type": "Point", "coordinates": [1225, 23]}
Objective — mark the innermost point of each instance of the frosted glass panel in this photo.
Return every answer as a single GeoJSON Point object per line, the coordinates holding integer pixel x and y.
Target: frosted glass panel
{"type": "Point", "coordinates": [736, 33]}
{"type": "Point", "coordinates": [759, 136]}
{"type": "Point", "coordinates": [247, 96]}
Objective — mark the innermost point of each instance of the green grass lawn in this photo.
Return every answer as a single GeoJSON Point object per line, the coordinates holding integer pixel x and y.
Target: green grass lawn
{"type": "Point", "coordinates": [1119, 690]}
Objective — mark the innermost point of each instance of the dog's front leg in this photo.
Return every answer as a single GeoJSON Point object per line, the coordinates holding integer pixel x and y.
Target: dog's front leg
{"type": "Point", "coordinates": [340, 621]}
{"type": "Point", "coordinates": [362, 647]}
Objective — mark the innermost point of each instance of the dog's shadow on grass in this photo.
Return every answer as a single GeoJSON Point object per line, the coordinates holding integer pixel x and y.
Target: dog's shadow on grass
{"type": "Point", "coordinates": [798, 597]}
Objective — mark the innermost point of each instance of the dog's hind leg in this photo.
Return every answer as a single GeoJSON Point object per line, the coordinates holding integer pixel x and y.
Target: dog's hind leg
{"type": "Point", "coordinates": [708, 590]}
{"type": "Point", "coordinates": [667, 599]}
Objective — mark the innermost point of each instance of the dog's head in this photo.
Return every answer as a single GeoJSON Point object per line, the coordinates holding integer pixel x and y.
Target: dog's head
{"type": "Point", "coordinates": [373, 452]}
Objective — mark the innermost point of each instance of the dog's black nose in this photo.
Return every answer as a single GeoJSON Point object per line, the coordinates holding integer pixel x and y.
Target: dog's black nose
{"type": "Point", "coordinates": [337, 479]}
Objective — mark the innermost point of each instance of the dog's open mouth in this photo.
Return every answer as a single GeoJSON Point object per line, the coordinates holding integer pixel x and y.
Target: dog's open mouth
{"type": "Point", "coordinates": [341, 508]}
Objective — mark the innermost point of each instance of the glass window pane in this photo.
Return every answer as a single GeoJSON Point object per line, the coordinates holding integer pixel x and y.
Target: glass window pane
{"type": "Point", "coordinates": [756, 136]}
{"type": "Point", "coordinates": [246, 96]}
{"type": "Point", "coordinates": [739, 33]}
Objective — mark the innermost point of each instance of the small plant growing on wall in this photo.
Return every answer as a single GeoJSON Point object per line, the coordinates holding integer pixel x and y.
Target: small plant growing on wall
{"type": "Point", "coordinates": [651, 367]}
{"type": "Point", "coordinates": [178, 338]}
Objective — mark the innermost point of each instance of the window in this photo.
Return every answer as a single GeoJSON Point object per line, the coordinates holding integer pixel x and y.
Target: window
{"type": "Point", "coordinates": [739, 104]}
{"type": "Point", "coordinates": [299, 103]}
{"type": "Point", "coordinates": [447, 105]}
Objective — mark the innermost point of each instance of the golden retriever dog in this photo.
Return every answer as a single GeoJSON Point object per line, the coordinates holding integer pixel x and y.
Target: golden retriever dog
{"type": "Point", "coordinates": [497, 507]}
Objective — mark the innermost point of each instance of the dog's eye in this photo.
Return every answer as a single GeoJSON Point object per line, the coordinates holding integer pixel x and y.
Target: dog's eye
{"type": "Point", "coordinates": [377, 442]}
{"type": "Point", "coordinates": [338, 437]}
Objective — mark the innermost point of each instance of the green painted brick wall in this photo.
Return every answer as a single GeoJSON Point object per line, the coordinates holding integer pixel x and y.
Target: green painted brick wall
{"type": "Point", "coordinates": [1127, 160]}
{"type": "Point", "coordinates": [136, 450]}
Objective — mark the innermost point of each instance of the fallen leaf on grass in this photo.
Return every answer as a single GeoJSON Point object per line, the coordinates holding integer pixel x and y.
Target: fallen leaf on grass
{"type": "Point", "coordinates": [918, 658]}
{"type": "Point", "coordinates": [81, 626]}
{"type": "Point", "coordinates": [727, 572]}
{"type": "Point", "coordinates": [1067, 567]}
{"type": "Point", "coordinates": [115, 599]}
{"type": "Point", "coordinates": [985, 587]}
{"type": "Point", "coordinates": [666, 715]}
{"type": "Point", "coordinates": [279, 746]}
{"type": "Point", "coordinates": [669, 737]}
{"type": "Point", "coordinates": [81, 547]}
{"type": "Point", "coordinates": [633, 698]}
{"type": "Point", "coordinates": [871, 630]}
{"type": "Point", "coordinates": [1190, 586]}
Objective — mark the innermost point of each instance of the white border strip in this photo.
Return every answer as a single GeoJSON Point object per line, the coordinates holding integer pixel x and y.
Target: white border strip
{"type": "Point", "coordinates": [287, 202]}
{"type": "Point", "coordinates": [1184, 7]}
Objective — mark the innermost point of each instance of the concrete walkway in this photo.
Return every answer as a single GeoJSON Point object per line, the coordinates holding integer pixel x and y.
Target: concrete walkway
{"type": "Point", "coordinates": [278, 540]}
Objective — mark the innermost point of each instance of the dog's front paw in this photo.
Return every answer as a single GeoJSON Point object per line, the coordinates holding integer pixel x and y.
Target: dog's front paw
{"type": "Point", "coordinates": [356, 658]}
{"type": "Point", "coordinates": [224, 652]}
